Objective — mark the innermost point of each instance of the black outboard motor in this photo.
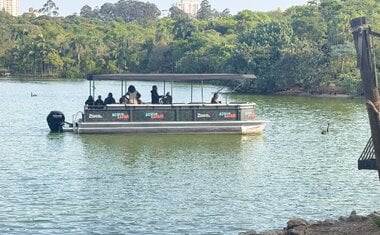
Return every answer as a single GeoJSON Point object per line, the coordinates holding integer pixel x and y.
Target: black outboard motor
{"type": "Point", "coordinates": [56, 120]}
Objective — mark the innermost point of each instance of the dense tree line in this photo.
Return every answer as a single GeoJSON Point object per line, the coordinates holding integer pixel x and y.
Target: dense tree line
{"type": "Point", "coordinates": [306, 46]}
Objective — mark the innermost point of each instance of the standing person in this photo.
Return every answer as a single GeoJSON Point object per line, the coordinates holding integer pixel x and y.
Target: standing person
{"type": "Point", "coordinates": [90, 101]}
{"type": "Point", "coordinates": [99, 101]}
{"type": "Point", "coordinates": [133, 95]}
{"type": "Point", "coordinates": [155, 96]}
{"type": "Point", "coordinates": [109, 99]}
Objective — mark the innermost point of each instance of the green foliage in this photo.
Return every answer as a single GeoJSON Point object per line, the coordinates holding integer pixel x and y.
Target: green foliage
{"type": "Point", "coordinates": [71, 72]}
{"type": "Point", "coordinates": [183, 28]}
{"type": "Point", "coordinates": [205, 11]}
{"type": "Point", "coordinates": [49, 8]}
{"type": "Point", "coordinates": [350, 83]}
{"type": "Point", "coordinates": [125, 10]}
{"type": "Point", "coordinates": [376, 220]}
{"type": "Point", "coordinates": [308, 47]}
{"type": "Point", "coordinates": [177, 13]}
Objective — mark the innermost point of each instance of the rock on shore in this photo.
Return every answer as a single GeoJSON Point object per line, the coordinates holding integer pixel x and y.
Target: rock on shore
{"type": "Point", "coordinates": [352, 225]}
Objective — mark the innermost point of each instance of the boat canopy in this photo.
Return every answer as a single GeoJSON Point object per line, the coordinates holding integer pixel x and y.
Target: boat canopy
{"type": "Point", "coordinates": [169, 77]}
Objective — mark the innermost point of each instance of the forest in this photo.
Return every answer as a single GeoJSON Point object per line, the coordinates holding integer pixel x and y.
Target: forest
{"type": "Point", "coordinates": [308, 47]}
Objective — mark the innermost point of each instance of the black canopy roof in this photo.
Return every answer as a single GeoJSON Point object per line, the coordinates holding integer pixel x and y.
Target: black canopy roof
{"type": "Point", "coordinates": [169, 77]}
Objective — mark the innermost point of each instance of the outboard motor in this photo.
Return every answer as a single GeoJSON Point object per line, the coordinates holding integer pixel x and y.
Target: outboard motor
{"type": "Point", "coordinates": [56, 120]}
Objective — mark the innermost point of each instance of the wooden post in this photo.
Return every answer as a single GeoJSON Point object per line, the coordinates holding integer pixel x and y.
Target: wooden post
{"type": "Point", "coordinates": [361, 31]}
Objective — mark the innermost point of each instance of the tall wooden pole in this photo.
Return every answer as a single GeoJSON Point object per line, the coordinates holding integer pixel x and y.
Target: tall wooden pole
{"type": "Point", "coordinates": [361, 31]}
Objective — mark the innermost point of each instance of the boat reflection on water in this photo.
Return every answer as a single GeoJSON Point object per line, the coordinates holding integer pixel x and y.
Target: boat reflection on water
{"type": "Point", "coordinates": [138, 148]}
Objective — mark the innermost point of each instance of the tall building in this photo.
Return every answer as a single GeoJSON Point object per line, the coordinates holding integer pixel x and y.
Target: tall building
{"type": "Point", "coordinates": [10, 6]}
{"type": "Point", "coordinates": [190, 7]}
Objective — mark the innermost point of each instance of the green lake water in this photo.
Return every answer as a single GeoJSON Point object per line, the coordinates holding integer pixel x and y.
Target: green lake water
{"type": "Point", "coordinates": [178, 184]}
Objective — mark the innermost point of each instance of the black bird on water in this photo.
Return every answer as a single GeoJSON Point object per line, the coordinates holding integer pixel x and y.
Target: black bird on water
{"type": "Point", "coordinates": [324, 132]}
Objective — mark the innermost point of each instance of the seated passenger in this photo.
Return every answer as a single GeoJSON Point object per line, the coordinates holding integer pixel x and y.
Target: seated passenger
{"type": "Point", "coordinates": [133, 95]}
{"type": "Point", "coordinates": [155, 96]}
{"type": "Point", "coordinates": [123, 100]}
{"type": "Point", "coordinates": [90, 101]}
{"type": "Point", "coordinates": [167, 98]}
{"type": "Point", "coordinates": [215, 100]}
{"type": "Point", "coordinates": [109, 99]}
{"type": "Point", "coordinates": [99, 101]}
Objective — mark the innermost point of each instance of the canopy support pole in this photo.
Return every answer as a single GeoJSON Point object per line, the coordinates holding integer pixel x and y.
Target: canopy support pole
{"type": "Point", "coordinates": [122, 88]}
{"type": "Point", "coordinates": [202, 92]}
{"type": "Point", "coordinates": [191, 99]}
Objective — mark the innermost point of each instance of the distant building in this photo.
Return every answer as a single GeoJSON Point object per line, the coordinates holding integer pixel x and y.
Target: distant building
{"type": "Point", "coordinates": [10, 6]}
{"type": "Point", "coordinates": [190, 7]}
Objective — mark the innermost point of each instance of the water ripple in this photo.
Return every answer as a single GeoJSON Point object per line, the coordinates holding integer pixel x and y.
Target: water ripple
{"type": "Point", "coordinates": [153, 184]}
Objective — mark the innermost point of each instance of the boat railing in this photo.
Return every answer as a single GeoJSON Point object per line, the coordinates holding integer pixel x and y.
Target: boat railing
{"type": "Point", "coordinates": [200, 104]}
{"type": "Point", "coordinates": [78, 117]}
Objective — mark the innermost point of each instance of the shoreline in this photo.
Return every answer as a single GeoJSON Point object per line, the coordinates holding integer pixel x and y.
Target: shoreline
{"type": "Point", "coordinates": [352, 225]}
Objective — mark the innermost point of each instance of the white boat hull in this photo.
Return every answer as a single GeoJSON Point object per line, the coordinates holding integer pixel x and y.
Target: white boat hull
{"type": "Point", "coordinates": [220, 127]}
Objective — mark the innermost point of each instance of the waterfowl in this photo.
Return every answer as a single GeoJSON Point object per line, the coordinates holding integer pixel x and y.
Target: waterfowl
{"type": "Point", "coordinates": [324, 132]}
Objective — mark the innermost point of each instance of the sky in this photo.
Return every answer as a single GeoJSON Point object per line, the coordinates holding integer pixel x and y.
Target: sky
{"type": "Point", "coordinates": [69, 7]}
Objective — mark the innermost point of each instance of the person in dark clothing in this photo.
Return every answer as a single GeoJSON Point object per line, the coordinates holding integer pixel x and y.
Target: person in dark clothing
{"type": "Point", "coordinates": [90, 101]}
{"type": "Point", "coordinates": [167, 99]}
{"type": "Point", "coordinates": [109, 99]}
{"type": "Point", "coordinates": [123, 100]}
{"type": "Point", "coordinates": [155, 96]}
{"type": "Point", "coordinates": [99, 101]}
{"type": "Point", "coordinates": [215, 100]}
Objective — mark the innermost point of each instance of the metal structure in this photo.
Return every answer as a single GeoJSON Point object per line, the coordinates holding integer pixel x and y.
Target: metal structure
{"type": "Point", "coordinates": [361, 33]}
{"type": "Point", "coordinates": [367, 160]}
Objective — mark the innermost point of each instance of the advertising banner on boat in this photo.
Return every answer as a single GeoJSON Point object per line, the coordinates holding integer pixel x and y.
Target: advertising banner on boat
{"type": "Point", "coordinates": [153, 115]}
{"type": "Point", "coordinates": [107, 116]}
{"type": "Point", "coordinates": [178, 113]}
{"type": "Point", "coordinates": [216, 115]}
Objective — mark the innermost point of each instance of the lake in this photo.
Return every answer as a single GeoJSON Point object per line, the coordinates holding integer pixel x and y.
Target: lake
{"type": "Point", "coordinates": [178, 184]}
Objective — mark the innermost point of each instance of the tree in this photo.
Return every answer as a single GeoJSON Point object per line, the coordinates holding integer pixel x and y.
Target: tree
{"type": "Point", "coordinates": [205, 11]}
{"type": "Point", "coordinates": [184, 28]}
{"type": "Point", "coordinates": [87, 12]}
{"type": "Point", "coordinates": [307, 23]}
{"type": "Point", "coordinates": [49, 9]}
{"type": "Point", "coordinates": [225, 13]}
{"type": "Point", "coordinates": [141, 12]}
{"type": "Point", "coordinates": [130, 11]}
{"type": "Point", "coordinates": [176, 13]}
{"type": "Point", "coordinates": [107, 11]}
{"type": "Point", "coordinates": [248, 20]}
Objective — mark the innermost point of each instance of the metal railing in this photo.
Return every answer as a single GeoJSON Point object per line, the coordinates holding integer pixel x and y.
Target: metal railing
{"type": "Point", "coordinates": [367, 160]}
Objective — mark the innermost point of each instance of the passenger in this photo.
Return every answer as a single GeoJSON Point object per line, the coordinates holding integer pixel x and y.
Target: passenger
{"type": "Point", "coordinates": [215, 100]}
{"type": "Point", "coordinates": [99, 101]}
{"type": "Point", "coordinates": [90, 101]}
{"type": "Point", "coordinates": [133, 95]}
{"type": "Point", "coordinates": [123, 100]}
{"type": "Point", "coordinates": [155, 96]}
{"type": "Point", "coordinates": [109, 99]}
{"type": "Point", "coordinates": [167, 99]}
